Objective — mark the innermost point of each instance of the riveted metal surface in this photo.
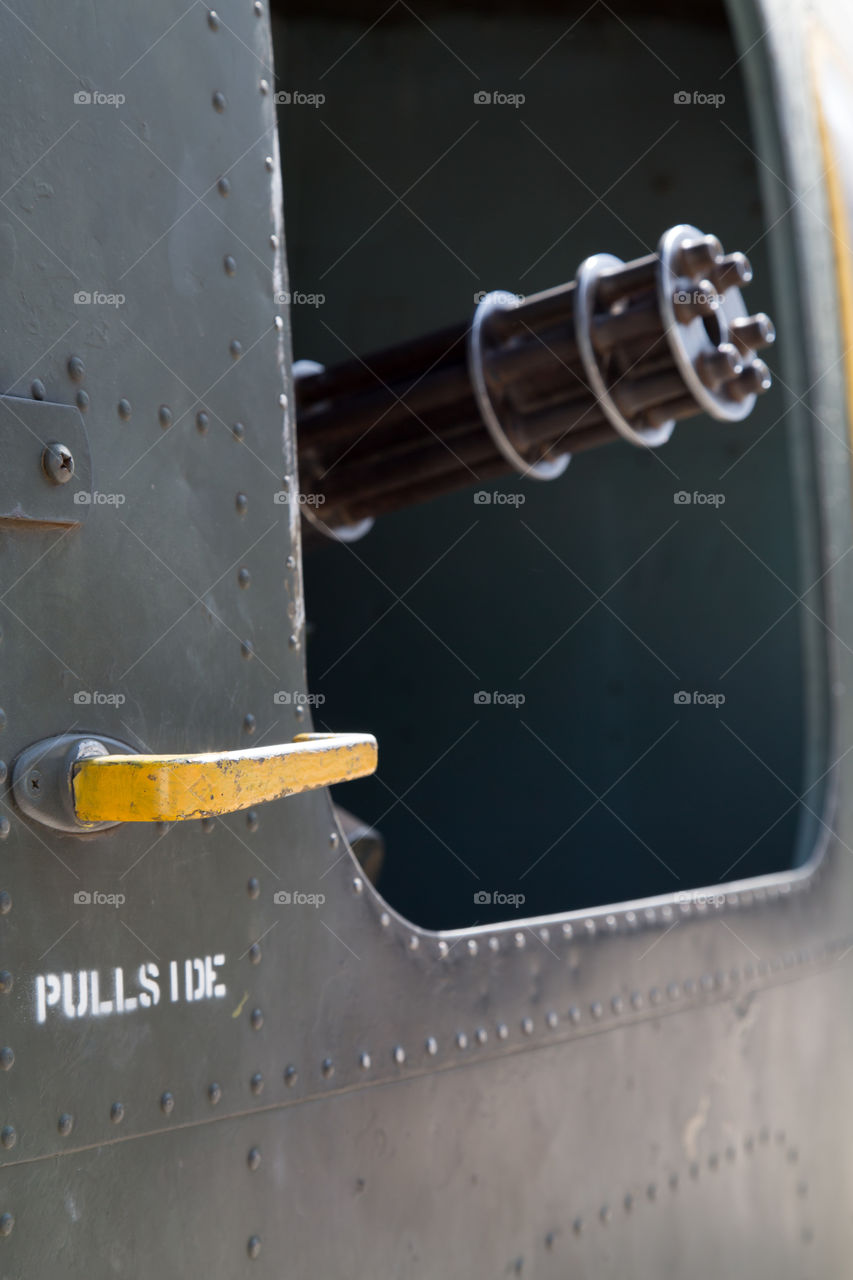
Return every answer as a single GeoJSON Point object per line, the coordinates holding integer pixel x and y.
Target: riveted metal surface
{"type": "Point", "coordinates": [577, 1092]}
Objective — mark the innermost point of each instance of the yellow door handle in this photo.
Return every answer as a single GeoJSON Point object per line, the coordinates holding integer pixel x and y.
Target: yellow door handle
{"type": "Point", "coordinates": [83, 783]}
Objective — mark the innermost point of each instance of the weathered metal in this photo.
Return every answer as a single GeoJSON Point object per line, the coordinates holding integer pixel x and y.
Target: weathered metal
{"type": "Point", "coordinates": [221, 1075]}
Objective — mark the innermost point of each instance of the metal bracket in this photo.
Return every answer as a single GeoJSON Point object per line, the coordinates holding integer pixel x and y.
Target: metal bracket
{"type": "Point", "coordinates": [42, 779]}
{"type": "Point", "coordinates": [34, 490]}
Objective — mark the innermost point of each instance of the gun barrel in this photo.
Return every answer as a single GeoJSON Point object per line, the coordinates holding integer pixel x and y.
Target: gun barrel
{"type": "Point", "coordinates": [623, 351]}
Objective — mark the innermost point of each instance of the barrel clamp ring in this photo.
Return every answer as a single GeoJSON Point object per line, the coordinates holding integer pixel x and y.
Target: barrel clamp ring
{"type": "Point", "coordinates": [545, 469]}
{"type": "Point", "coordinates": [586, 281]}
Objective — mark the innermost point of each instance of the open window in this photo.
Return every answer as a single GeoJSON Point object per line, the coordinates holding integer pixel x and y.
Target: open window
{"type": "Point", "coordinates": [600, 688]}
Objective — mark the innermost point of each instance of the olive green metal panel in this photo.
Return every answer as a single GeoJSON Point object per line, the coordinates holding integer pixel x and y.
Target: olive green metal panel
{"type": "Point", "coordinates": [594, 1094]}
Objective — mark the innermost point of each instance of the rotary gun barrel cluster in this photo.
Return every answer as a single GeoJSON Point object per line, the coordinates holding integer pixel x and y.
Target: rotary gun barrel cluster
{"type": "Point", "coordinates": [624, 351]}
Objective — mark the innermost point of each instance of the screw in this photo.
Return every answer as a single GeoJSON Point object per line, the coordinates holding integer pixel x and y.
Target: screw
{"type": "Point", "coordinates": [57, 462]}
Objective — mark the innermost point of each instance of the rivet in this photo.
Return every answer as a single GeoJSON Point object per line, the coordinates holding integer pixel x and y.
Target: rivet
{"type": "Point", "coordinates": [443, 949]}
{"type": "Point", "coordinates": [364, 1061]}
{"type": "Point", "coordinates": [278, 323]}
{"type": "Point", "coordinates": [519, 940]}
{"type": "Point", "coordinates": [577, 1226]}
{"type": "Point", "coordinates": [655, 995]}
{"type": "Point", "coordinates": [223, 186]}
{"type": "Point", "coordinates": [399, 1055]}
{"type": "Point", "coordinates": [241, 502]}
{"type": "Point", "coordinates": [253, 888]}
{"type": "Point", "coordinates": [8, 1136]}
{"type": "Point", "coordinates": [252, 819]}
{"type": "Point", "coordinates": [268, 164]}
{"type": "Point", "coordinates": [596, 1009]}
{"type": "Point", "coordinates": [472, 946]}
{"type": "Point", "coordinates": [7, 1058]}
{"type": "Point", "coordinates": [249, 723]}
{"type": "Point", "coordinates": [636, 1000]}
{"type": "Point", "coordinates": [258, 9]}
{"type": "Point", "coordinates": [574, 1014]}
{"type": "Point", "coordinates": [414, 942]}
{"type": "Point", "coordinates": [672, 990]}
{"type": "Point", "coordinates": [117, 1112]}
{"type": "Point", "coordinates": [201, 422]}
{"type": "Point", "coordinates": [290, 562]}
{"type": "Point", "coordinates": [244, 578]}
{"type": "Point", "coordinates": [357, 884]}
{"type": "Point", "coordinates": [57, 462]}
{"type": "Point", "coordinates": [247, 649]}
{"type": "Point", "coordinates": [2, 718]}
{"type": "Point", "coordinates": [461, 1040]}
{"type": "Point", "coordinates": [256, 1018]}
{"type": "Point", "coordinates": [431, 1046]}
{"type": "Point", "coordinates": [617, 1004]}
{"type": "Point", "coordinates": [76, 368]}
{"type": "Point", "coordinates": [273, 242]}
{"type": "Point", "coordinates": [282, 401]}
{"type": "Point", "coordinates": [545, 935]}
{"type": "Point", "coordinates": [589, 925]}
{"type": "Point", "coordinates": [219, 103]}
{"type": "Point", "coordinates": [7, 1224]}
{"type": "Point", "coordinates": [164, 415]}
{"type": "Point", "coordinates": [167, 1103]}
{"type": "Point", "coordinates": [213, 20]}
{"type": "Point", "coordinates": [236, 348]}
{"type": "Point", "coordinates": [494, 943]}
{"type": "Point", "coordinates": [694, 1169]}
{"type": "Point", "coordinates": [254, 1247]}
{"type": "Point", "coordinates": [502, 1030]}
{"type": "Point", "coordinates": [385, 919]}
{"type": "Point", "coordinates": [605, 1213]}
{"type": "Point", "coordinates": [82, 398]}
{"type": "Point", "coordinates": [124, 410]}
{"type": "Point", "coordinates": [673, 1182]}
{"type": "Point", "coordinates": [689, 987]}
{"type": "Point", "coordinates": [5, 902]}
{"type": "Point", "coordinates": [65, 1124]}
{"type": "Point", "coordinates": [568, 932]}
{"type": "Point", "coordinates": [214, 1093]}
{"type": "Point", "coordinates": [713, 1160]}
{"type": "Point", "coordinates": [238, 431]}
{"type": "Point", "coordinates": [293, 641]}
{"type": "Point", "coordinates": [299, 712]}
{"type": "Point", "coordinates": [253, 1159]}
{"type": "Point", "coordinates": [651, 1190]}
{"type": "Point", "coordinates": [482, 1035]}
{"type": "Point", "coordinates": [229, 264]}
{"type": "Point", "coordinates": [328, 1068]}
{"type": "Point", "coordinates": [264, 87]}
{"type": "Point", "coordinates": [527, 1026]}
{"type": "Point", "coordinates": [551, 1020]}
{"type": "Point", "coordinates": [37, 390]}
{"type": "Point", "coordinates": [333, 839]}
{"type": "Point", "coordinates": [730, 1153]}
{"type": "Point", "coordinates": [254, 954]}
{"type": "Point", "coordinates": [256, 1084]}
{"type": "Point", "coordinates": [6, 981]}
{"type": "Point", "coordinates": [291, 1075]}
{"type": "Point", "coordinates": [628, 1202]}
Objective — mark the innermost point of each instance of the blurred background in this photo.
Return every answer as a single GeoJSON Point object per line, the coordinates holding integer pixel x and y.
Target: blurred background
{"type": "Point", "coordinates": [590, 603]}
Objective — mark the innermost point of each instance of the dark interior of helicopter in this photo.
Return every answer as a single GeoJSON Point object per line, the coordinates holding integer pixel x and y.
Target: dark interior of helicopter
{"type": "Point", "coordinates": [593, 689]}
